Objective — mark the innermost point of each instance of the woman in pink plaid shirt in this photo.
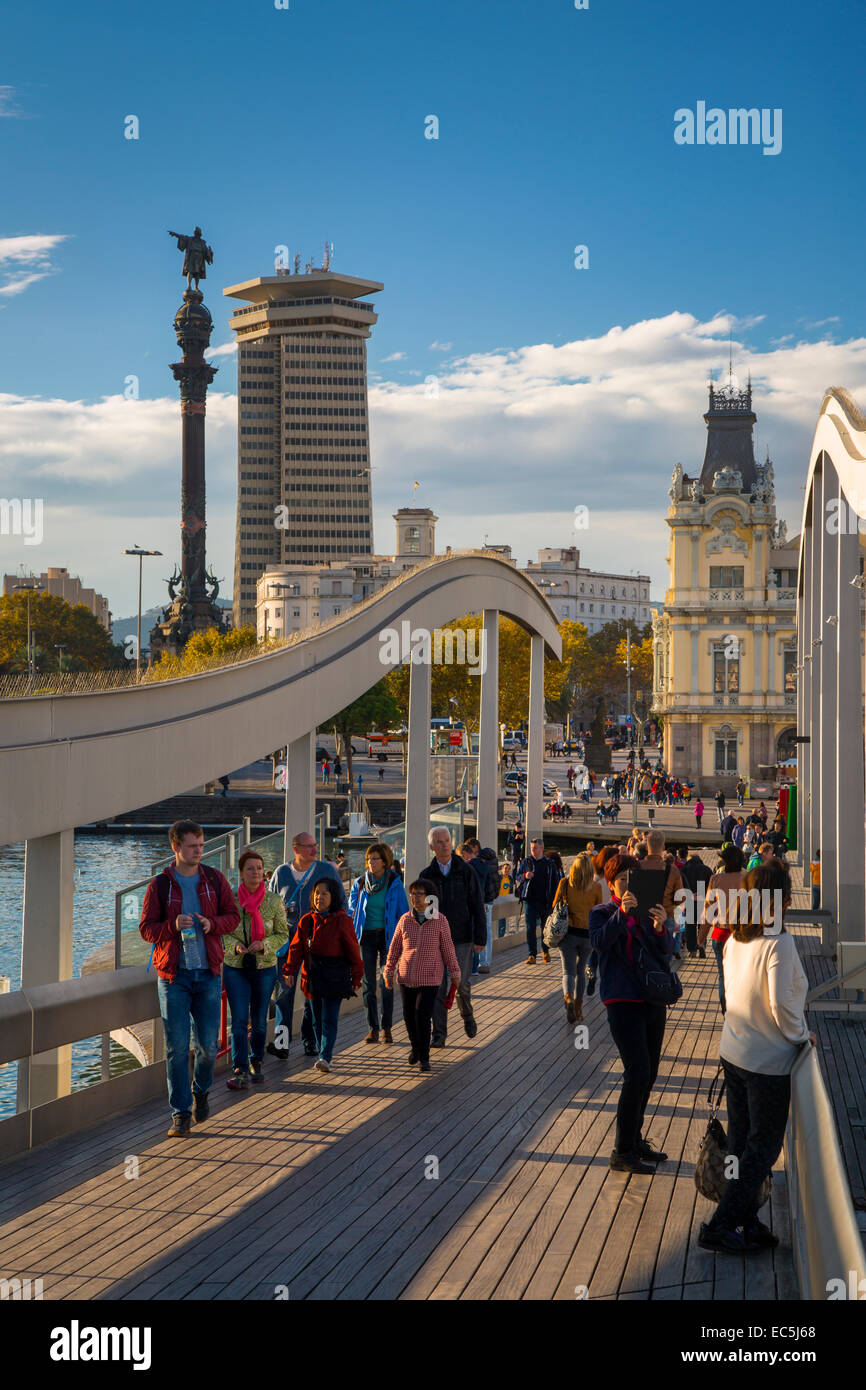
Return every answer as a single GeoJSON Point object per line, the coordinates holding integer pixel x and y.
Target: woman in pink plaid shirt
{"type": "Point", "coordinates": [421, 951]}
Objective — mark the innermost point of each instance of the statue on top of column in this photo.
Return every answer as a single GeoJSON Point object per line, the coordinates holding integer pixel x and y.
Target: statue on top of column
{"type": "Point", "coordinates": [198, 255]}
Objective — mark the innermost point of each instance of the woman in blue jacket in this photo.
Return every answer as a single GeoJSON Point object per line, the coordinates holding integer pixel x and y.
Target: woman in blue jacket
{"type": "Point", "coordinates": [377, 901]}
{"type": "Point", "coordinates": [637, 1026]}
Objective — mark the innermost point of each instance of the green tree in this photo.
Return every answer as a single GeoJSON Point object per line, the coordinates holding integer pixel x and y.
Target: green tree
{"type": "Point", "coordinates": [207, 646]}
{"type": "Point", "coordinates": [376, 708]}
{"type": "Point", "coordinates": [54, 624]}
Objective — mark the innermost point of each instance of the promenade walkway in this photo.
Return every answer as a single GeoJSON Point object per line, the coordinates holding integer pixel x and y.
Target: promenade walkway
{"type": "Point", "coordinates": [326, 1187]}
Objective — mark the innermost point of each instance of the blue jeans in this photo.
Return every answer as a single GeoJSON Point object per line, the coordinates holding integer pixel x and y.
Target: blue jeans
{"type": "Point", "coordinates": [248, 993]}
{"type": "Point", "coordinates": [486, 955]}
{"type": "Point", "coordinates": [718, 948]}
{"type": "Point", "coordinates": [285, 1007]}
{"type": "Point", "coordinates": [192, 995]}
{"type": "Point", "coordinates": [326, 1013]}
{"type": "Point", "coordinates": [816, 897]}
{"type": "Point", "coordinates": [534, 915]}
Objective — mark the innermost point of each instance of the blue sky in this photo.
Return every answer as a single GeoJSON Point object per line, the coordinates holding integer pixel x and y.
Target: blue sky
{"type": "Point", "coordinates": [555, 129]}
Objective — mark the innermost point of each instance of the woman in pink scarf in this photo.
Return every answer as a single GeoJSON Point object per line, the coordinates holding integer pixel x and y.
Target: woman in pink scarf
{"type": "Point", "coordinates": [251, 968]}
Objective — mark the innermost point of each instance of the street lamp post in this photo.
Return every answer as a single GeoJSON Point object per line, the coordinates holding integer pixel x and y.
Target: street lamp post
{"type": "Point", "coordinates": [60, 658]}
{"type": "Point", "coordinates": [137, 550]}
{"type": "Point", "coordinates": [28, 589]}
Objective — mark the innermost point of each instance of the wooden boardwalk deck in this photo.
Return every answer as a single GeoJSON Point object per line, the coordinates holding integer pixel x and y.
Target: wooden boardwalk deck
{"type": "Point", "coordinates": [320, 1184]}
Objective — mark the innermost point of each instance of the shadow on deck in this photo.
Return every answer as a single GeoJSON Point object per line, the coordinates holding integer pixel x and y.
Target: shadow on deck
{"type": "Point", "coordinates": [324, 1187]}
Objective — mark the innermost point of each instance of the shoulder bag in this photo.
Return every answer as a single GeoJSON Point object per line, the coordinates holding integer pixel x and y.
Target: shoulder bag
{"type": "Point", "coordinates": [710, 1177]}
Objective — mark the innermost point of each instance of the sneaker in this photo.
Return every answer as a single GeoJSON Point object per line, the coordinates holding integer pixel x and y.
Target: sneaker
{"type": "Point", "coordinates": [644, 1150]}
{"type": "Point", "coordinates": [761, 1235]}
{"type": "Point", "coordinates": [545, 956]}
{"type": "Point", "coordinates": [590, 986]}
{"type": "Point", "coordinates": [425, 1066]}
{"type": "Point", "coordinates": [630, 1163]}
{"type": "Point", "coordinates": [471, 1027]}
{"type": "Point", "coordinates": [238, 1080]}
{"type": "Point", "coordinates": [413, 1057]}
{"type": "Point", "coordinates": [726, 1242]}
{"type": "Point", "coordinates": [530, 960]}
{"type": "Point", "coordinates": [322, 1065]}
{"type": "Point", "coordinates": [372, 1036]}
{"type": "Point", "coordinates": [437, 1042]}
{"type": "Point", "coordinates": [202, 1107]}
{"type": "Point", "coordinates": [180, 1125]}
{"type": "Point", "coordinates": [386, 1035]}
{"type": "Point", "coordinates": [256, 1075]}
{"type": "Point", "coordinates": [281, 1053]}
{"type": "Point", "coordinates": [569, 1008]}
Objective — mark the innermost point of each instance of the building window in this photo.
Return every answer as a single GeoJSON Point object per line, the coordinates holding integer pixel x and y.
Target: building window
{"type": "Point", "coordinates": [726, 753]}
{"type": "Point", "coordinates": [582, 606]}
{"type": "Point", "coordinates": [592, 607]}
{"type": "Point", "coordinates": [296, 612]}
{"type": "Point", "coordinates": [726, 667]}
{"type": "Point", "coordinates": [601, 590]}
{"type": "Point", "coordinates": [564, 611]}
{"type": "Point", "coordinates": [789, 660]}
{"type": "Point", "coordinates": [726, 576]}
{"type": "Point", "coordinates": [413, 533]}
{"type": "Point", "coordinates": [413, 547]}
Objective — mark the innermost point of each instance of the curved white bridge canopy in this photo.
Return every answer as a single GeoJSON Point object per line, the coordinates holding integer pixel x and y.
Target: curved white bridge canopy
{"type": "Point", "coordinates": [73, 759]}
{"type": "Point", "coordinates": [830, 685]}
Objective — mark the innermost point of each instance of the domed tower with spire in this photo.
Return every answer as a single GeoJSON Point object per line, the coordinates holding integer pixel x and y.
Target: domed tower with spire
{"type": "Point", "coordinates": [725, 643]}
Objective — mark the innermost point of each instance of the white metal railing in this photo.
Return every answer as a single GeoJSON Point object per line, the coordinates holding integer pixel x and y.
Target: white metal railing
{"type": "Point", "coordinates": [826, 1239]}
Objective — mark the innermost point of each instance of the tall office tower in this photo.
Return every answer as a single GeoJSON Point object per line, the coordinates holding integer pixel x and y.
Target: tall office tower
{"type": "Point", "coordinates": [303, 440]}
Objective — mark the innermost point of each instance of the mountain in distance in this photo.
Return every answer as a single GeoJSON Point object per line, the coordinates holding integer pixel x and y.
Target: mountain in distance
{"type": "Point", "coordinates": [122, 628]}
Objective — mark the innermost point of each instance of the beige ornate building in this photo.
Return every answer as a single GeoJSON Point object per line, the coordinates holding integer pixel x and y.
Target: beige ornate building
{"type": "Point", "coordinates": [725, 644]}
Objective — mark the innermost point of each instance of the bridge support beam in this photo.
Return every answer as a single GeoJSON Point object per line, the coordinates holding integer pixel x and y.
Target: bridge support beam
{"type": "Point", "coordinates": [535, 753]}
{"type": "Point", "coordinates": [851, 880]}
{"type": "Point", "coordinates": [46, 953]}
{"type": "Point", "coordinates": [300, 811]}
{"type": "Point", "coordinates": [418, 767]}
{"type": "Point", "coordinates": [831, 771]}
{"type": "Point", "coordinates": [488, 741]}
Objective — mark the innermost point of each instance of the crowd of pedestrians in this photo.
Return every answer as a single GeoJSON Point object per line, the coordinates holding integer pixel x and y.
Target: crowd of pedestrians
{"type": "Point", "coordinates": [621, 916]}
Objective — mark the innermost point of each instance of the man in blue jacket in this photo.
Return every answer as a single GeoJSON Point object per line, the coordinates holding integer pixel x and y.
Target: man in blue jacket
{"type": "Point", "coordinates": [295, 882]}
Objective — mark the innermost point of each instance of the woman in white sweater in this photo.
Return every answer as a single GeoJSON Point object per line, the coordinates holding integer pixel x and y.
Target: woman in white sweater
{"type": "Point", "coordinates": [765, 1027]}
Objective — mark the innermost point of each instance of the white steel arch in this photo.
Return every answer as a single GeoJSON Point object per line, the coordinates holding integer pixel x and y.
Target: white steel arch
{"type": "Point", "coordinates": [69, 760]}
{"type": "Point", "coordinates": [830, 685]}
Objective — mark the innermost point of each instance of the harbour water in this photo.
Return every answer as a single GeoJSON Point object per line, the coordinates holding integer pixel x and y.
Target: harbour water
{"type": "Point", "coordinates": [103, 864]}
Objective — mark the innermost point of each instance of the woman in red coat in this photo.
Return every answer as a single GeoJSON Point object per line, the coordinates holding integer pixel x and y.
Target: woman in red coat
{"type": "Point", "coordinates": [326, 947]}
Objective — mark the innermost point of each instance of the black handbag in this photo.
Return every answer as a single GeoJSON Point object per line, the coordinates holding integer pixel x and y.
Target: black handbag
{"type": "Point", "coordinates": [656, 982]}
{"type": "Point", "coordinates": [710, 1177]}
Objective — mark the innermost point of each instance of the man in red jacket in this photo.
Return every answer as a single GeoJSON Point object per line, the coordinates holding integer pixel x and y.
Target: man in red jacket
{"type": "Point", "coordinates": [187, 910]}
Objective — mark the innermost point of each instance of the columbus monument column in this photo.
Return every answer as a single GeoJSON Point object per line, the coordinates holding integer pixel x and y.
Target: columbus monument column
{"type": "Point", "coordinates": [193, 589]}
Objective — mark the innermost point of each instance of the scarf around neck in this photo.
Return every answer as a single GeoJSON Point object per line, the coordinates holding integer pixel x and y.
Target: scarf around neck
{"type": "Point", "coordinates": [373, 885]}
{"type": "Point", "coordinates": [251, 903]}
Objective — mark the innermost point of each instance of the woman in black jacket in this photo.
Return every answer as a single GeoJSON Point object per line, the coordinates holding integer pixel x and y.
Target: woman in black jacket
{"type": "Point", "coordinates": [637, 1025]}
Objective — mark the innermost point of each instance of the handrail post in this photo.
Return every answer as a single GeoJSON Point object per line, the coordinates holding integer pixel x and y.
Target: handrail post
{"type": "Point", "coordinates": [46, 949]}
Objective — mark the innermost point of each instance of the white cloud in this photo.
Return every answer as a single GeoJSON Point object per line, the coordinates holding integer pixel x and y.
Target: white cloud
{"type": "Point", "coordinates": [31, 252]}
{"type": "Point", "coordinates": [394, 357]}
{"type": "Point", "coordinates": [224, 350]}
{"type": "Point", "coordinates": [17, 284]}
{"type": "Point", "coordinates": [441, 347]}
{"type": "Point", "coordinates": [7, 103]}
{"type": "Point", "coordinates": [515, 439]}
